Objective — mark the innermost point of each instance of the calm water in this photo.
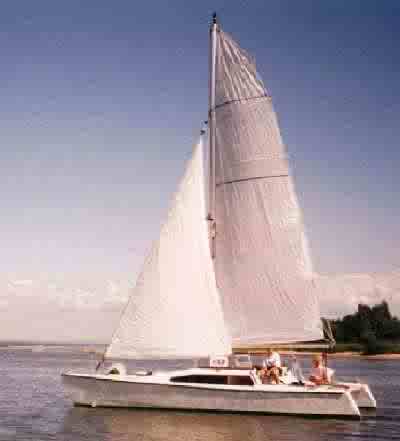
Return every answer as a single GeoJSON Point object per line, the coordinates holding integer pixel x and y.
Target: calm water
{"type": "Point", "coordinates": [32, 408]}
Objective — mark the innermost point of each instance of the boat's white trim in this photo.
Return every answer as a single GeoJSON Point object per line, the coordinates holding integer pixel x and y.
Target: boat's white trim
{"type": "Point", "coordinates": [157, 390]}
{"type": "Point", "coordinates": [161, 380]}
{"type": "Point", "coordinates": [362, 395]}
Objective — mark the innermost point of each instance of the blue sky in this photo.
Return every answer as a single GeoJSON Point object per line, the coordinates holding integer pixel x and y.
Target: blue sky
{"type": "Point", "coordinates": [102, 101]}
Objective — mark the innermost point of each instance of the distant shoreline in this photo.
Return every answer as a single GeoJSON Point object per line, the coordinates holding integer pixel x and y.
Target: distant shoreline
{"type": "Point", "coordinates": [394, 356]}
{"type": "Point", "coordinates": [98, 349]}
{"type": "Point", "coordinates": [95, 349]}
{"type": "Point", "coordinates": [344, 354]}
{"type": "Point", "coordinates": [340, 351]}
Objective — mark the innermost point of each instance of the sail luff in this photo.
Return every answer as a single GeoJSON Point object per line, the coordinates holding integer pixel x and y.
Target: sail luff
{"type": "Point", "coordinates": [211, 118]}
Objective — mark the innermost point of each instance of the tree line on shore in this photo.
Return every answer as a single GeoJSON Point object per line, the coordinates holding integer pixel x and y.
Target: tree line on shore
{"type": "Point", "coordinates": [374, 329]}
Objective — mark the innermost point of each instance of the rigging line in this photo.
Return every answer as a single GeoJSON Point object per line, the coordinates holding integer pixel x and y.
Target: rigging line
{"type": "Point", "coordinates": [252, 179]}
{"type": "Point", "coordinates": [239, 100]}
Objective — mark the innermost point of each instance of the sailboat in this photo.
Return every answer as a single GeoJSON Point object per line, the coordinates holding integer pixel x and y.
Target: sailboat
{"type": "Point", "coordinates": [231, 268]}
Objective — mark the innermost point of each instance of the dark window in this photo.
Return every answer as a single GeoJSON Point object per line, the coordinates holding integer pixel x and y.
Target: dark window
{"type": "Point", "coordinates": [241, 380]}
{"type": "Point", "coordinates": [203, 379]}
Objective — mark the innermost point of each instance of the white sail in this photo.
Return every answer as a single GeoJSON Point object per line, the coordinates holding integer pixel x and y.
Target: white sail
{"type": "Point", "coordinates": [175, 310]}
{"type": "Point", "coordinates": [262, 263]}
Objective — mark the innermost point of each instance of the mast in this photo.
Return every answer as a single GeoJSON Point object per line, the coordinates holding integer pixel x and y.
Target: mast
{"type": "Point", "coordinates": [211, 118]}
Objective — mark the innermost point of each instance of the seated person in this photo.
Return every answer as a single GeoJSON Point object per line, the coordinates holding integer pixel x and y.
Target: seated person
{"type": "Point", "coordinates": [271, 368]}
{"type": "Point", "coordinates": [320, 374]}
{"type": "Point", "coordinates": [296, 371]}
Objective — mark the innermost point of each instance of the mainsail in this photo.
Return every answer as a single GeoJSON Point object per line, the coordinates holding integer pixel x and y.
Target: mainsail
{"type": "Point", "coordinates": [262, 262]}
{"type": "Point", "coordinates": [175, 310]}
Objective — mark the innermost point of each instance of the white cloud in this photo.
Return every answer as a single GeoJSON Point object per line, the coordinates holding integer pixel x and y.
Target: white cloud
{"type": "Point", "coordinates": [54, 303]}
{"type": "Point", "coordinates": [24, 282]}
{"type": "Point", "coordinates": [4, 303]}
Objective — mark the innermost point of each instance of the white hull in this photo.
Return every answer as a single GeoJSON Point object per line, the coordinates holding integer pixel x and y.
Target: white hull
{"type": "Point", "coordinates": [362, 395]}
{"type": "Point", "coordinates": [157, 391]}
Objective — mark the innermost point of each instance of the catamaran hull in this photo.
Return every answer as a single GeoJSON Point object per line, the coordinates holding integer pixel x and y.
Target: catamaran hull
{"type": "Point", "coordinates": [101, 392]}
{"type": "Point", "coordinates": [362, 395]}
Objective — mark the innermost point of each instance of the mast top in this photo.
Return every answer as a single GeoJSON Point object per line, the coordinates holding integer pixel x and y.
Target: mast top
{"type": "Point", "coordinates": [214, 18]}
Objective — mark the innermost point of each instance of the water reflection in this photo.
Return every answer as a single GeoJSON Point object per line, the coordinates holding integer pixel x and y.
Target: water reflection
{"type": "Point", "coordinates": [135, 424]}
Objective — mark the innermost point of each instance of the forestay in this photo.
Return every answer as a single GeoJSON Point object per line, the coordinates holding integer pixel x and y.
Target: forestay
{"type": "Point", "coordinates": [263, 266]}
{"type": "Point", "coordinates": [175, 310]}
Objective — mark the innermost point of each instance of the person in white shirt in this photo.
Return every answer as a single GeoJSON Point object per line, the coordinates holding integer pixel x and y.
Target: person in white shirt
{"type": "Point", "coordinates": [296, 371]}
{"type": "Point", "coordinates": [273, 359]}
{"type": "Point", "coordinates": [271, 367]}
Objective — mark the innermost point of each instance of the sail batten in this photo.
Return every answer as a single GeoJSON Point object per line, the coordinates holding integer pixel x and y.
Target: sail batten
{"type": "Point", "coordinates": [263, 266]}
